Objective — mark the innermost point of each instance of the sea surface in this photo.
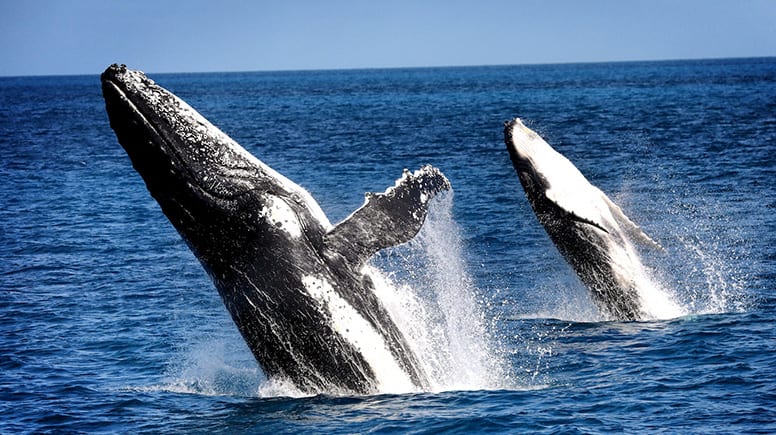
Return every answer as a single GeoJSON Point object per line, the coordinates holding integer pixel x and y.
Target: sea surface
{"type": "Point", "coordinates": [108, 324]}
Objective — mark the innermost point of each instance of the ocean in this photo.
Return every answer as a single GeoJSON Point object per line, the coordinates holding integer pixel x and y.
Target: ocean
{"type": "Point", "coordinates": [108, 324]}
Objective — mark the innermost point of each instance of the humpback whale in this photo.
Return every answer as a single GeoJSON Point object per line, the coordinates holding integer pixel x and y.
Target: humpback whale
{"type": "Point", "coordinates": [591, 232]}
{"type": "Point", "coordinates": [298, 288]}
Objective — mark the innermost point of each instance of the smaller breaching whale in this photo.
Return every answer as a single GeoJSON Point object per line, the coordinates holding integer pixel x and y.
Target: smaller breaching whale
{"type": "Point", "coordinates": [298, 288]}
{"type": "Point", "coordinates": [591, 232]}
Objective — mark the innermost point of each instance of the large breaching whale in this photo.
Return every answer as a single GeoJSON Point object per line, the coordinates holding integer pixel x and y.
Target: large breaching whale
{"type": "Point", "coordinates": [298, 288]}
{"type": "Point", "coordinates": [590, 231]}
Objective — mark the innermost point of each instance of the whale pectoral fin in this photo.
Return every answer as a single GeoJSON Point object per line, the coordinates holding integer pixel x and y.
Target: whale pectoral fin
{"type": "Point", "coordinates": [387, 219]}
{"type": "Point", "coordinates": [633, 231]}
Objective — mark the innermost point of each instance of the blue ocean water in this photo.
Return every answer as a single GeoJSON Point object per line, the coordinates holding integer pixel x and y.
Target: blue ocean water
{"type": "Point", "coordinates": [109, 324]}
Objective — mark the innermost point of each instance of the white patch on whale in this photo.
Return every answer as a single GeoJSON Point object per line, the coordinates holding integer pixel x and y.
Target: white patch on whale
{"type": "Point", "coordinates": [278, 213]}
{"type": "Point", "coordinates": [360, 333]}
{"type": "Point", "coordinates": [567, 187]}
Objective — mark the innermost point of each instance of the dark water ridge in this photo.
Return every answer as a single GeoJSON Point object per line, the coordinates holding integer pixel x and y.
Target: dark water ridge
{"type": "Point", "coordinates": [108, 323]}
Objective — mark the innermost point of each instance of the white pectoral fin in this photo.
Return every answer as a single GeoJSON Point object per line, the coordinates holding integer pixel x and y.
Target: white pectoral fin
{"type": "Point", "coordinates": [633, 231]}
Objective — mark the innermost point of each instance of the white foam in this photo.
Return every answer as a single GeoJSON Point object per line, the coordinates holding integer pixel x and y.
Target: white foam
{"type": "Point", "coordinates": [214, 365]}
{"type": "Point", "coordinates": [656, 301]}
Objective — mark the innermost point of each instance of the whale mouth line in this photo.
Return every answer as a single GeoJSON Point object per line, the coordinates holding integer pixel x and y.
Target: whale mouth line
{"type": "Point", "coordinates": [123, 97]}
{"type": "Point", "coordinates": [164, 144]}
{"type": "Point", "coordinates": [151, 131]}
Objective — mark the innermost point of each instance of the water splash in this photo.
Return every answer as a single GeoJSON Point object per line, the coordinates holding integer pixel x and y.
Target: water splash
{"type": "Point", "coordinates": [426, 289]}
{"type": "Point", "coordinates": [221, 365]}
{"type": "Point", "coordinates": [658, 303]}
{"type": "Point", "coordinates": [559, 295]}
{"type": "Point", "coordinates": [215, 365]}
{"type": "Point", "coordinates": [435, 304]}
{"type": "Point", "coordinates": [698, 272]}
{"type": "Point", "coordinates": [700, 266]}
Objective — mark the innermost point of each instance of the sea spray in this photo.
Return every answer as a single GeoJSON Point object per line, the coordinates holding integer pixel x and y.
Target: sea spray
{"type": "Point", "coordinates": [657, 302]}
{"type": "Point", "coordinates": [435, 304]}
{"type": "Point", "coordinates": [426, 288]}
{"type": "Point", "coordinates": [705, 243]}
{"type": "Point", "coordinates": [559, 294]}
{"type": "Point", "coordinates": [702, 261]}
{"type": "Point", "coordinates": [216, 364]}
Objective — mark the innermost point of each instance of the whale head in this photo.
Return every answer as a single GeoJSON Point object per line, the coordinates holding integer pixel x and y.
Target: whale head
{"type": "Point", "coordinates": [533, 159]}
{"type": "Point", "coordinates": [198, 174]}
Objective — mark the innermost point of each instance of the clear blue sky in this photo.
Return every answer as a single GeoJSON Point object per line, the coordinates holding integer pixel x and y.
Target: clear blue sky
{"type": "Point", "coordinates": [83, 37]}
